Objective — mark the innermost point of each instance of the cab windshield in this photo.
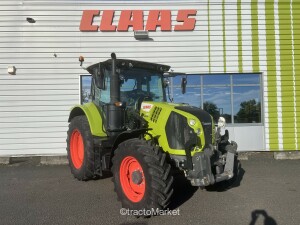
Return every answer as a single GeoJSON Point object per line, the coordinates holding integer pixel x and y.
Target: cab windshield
{"type": "Point", "coordinates": [135, 84]}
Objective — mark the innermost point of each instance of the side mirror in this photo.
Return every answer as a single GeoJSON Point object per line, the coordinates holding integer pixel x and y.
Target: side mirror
{"type": "Point", "coordinates": [183, 85]}
{"type": "Point", "coordinates": [99, 78]}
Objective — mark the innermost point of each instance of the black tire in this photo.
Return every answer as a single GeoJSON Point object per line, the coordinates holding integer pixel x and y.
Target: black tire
{"type": "Point", "coordinates": [156, 171]}
{"type": "Point", "coordinates": [87, 169]}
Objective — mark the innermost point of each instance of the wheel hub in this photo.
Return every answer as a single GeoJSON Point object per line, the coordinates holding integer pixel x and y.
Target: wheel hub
{"type": "Point", "coordinates": [77, 149]}
{"type": "Point", "coordinates": [137, 177]}
{"type": "Point", "coordinates": [132, 179]}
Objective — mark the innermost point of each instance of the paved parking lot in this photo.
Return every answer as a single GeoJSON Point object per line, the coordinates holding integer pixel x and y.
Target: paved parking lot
{"type": "Point", "coordinates": [267, 193]}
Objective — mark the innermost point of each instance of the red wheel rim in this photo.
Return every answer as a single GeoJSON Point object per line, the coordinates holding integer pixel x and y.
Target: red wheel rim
{"type": "Point", "coordinates": [77, 149]}
{"type": "Point", "coordinates": [132, 188]}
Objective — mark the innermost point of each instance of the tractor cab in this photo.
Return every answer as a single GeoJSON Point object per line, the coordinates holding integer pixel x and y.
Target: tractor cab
{"type": "Point", "coordinates": [119, 86]}
{"type": "Point", "coordinates": [135, 82]}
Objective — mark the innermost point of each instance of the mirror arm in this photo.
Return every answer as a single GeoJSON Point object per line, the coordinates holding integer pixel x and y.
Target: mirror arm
{"type": "Point", "coordinates": [183, 84]}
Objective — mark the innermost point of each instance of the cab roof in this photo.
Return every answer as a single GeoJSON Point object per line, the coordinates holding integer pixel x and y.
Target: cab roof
{"type": "Point", "coordinates": [128, 63]}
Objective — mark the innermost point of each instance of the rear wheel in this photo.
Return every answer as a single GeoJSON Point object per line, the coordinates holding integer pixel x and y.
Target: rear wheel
{"type": "Point", "coordinates": [142, 177]}
{"type": "Point", "coordinates": [80, 149]}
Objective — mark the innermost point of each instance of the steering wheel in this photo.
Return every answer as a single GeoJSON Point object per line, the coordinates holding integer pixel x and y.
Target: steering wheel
{"type": "Point", "coordinates": [136, 97]}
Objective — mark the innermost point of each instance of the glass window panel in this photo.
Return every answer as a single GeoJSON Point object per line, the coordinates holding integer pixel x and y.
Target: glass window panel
{"type": "Point", "coordinates": [247, 104]}
{"type": "Point", "coordinates": [193, 90]}
{"type": "Point", "coordinates": [246, 79]}
{"type": "Point", "coordinates": [216, 80]}
{"type": "Point", "coordinates": [177, 81]}
{"type": "Point", "coordinates": [191, 80]}
{"type": "Point", "coordinates": [85, 91]}
{"type": "Point", "coordinates": [216, 101]}
{"type": "Point", "coordinates": [192, 96]}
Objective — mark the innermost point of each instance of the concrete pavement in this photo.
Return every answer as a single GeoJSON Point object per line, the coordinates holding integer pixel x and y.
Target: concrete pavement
{"type": "Point", "coordinates": [266, 193]}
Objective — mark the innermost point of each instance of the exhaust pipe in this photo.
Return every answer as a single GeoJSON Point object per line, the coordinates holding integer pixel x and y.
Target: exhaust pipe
{"type": "Point", "coordinates": [114, 81]}
{"type": "Point", "coordinates": [115, 114]}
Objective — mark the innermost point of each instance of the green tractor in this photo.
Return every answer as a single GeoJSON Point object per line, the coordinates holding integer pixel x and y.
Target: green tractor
{"type": "Point", "coordinates": [130, 129]}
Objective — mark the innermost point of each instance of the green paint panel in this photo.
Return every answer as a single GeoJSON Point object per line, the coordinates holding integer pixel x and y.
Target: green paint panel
{"type": "Point", "coordinates": [291, 146]}
{"type": "Point", "coordinates": [285, 16]}
{"type": "Point", "coordinates": [273, 106]}
{"type": "Point", "coordinates": [287, 51]}
{"type": "Point", "coordinates": [239, 23]}
{"type": "Point", "coordinates": [296, 40]}
{"type": "Point", "coordinates": [271, 65]}
{"type": "Point", "coordinates": [290, 141]}
{"type": "Point", "coordinates": [285, 89]}
{"type": "Point", "coordinates": [285, 29]}
{"type": "Point", "coordinates": [287, 68]}
{"type": "Point", "coordinates": [255, 48]}
{"type": "Point", "coordinates": [224, 35]}
{"type": "Point", "coordinates": [298, 110]}
{"type": "Point", "coordinates": [274, 71]}
{"type": "Point", "coordinates": [286, 102]}
{"type": "Point", "coordinates": [93, 115]}
{"type": "Point", "coordinates": [209, 59]}
{"type": "Point", "coordinates": [285, 39]}
{"type": "Point", "coordinates": [274, 137]}
{"type": "Point", "coordinates": [286, 5]}
{"type": "Point", "coordinates": [288, 83]}
{"type": "Point", "coordinates": [288, 120]}
{"type": "Point", "coordinates": [274, 114]}
{"type": "Point", "coordinates": [271, 58]}
{"type": "Point", "coordinates": [296, 24]}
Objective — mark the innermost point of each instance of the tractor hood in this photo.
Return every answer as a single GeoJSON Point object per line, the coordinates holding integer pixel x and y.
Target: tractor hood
{"type": "Point", "coordinates": [176, 124]}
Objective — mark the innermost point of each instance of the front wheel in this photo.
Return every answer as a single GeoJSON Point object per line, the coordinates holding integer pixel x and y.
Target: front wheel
{"type": "Point", "coordinates": [142, 177]}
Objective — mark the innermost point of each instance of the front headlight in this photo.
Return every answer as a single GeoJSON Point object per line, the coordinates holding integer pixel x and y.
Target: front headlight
{"type": "Point", "coordinates": [192, 122]}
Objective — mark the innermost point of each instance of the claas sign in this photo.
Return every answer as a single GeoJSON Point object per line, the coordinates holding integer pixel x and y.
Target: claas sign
{"type": "Point", "coordinates": [185, 20]}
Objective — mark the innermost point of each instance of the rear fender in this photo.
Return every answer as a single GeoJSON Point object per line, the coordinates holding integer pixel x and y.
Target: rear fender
{"type": "Point", "coordinates": [93, 115]}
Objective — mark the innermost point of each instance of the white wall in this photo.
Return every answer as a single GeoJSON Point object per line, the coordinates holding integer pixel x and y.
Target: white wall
{"type": "Point", "coordinates": [35, 103]}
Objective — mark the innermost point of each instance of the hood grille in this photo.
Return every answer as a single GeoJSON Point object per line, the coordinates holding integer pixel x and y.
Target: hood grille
{"type": "Point", "coordinates": [155, 114]}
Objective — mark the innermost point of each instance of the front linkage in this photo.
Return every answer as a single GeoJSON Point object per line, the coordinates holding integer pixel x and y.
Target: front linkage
{"type": "Point", "coordinates": [215, 163]}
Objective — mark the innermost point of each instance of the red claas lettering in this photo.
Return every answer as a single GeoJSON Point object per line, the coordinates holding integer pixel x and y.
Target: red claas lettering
{"type": "Point", "coordinates": [107, 19]}
{"type": "Point", "coordinates": [130, 18]}
{"type": "Point", "coordinates": [160, 18]}
{"type": "Point", "coordinates": [87, 19]}
{"type": "Point", "coordinates": [185, 20]}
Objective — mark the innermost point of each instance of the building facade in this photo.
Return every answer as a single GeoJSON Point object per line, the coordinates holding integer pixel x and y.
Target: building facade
{"type": "Point", "coordinates": [243, 57]}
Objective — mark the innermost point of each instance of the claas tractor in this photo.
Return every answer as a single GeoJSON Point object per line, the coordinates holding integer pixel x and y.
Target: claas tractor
{"type": "Point", "coordinates": [130, 129]}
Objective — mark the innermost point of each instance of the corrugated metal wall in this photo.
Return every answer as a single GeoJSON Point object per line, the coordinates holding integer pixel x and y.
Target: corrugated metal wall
{"type": "Point", "coordinates": [230, 36]}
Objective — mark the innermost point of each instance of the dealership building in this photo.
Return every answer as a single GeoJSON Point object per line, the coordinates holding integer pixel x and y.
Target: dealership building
{"type": "Point", "coordinates": [241, 59]}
